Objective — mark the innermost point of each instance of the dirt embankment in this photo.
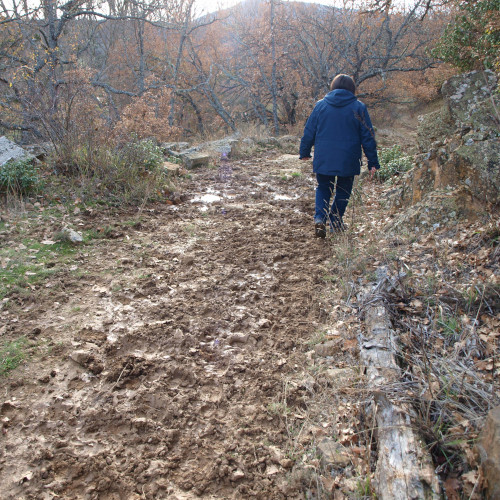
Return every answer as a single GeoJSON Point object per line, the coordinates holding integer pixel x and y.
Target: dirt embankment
{"type": "Point", "coordinates": [162, 355]}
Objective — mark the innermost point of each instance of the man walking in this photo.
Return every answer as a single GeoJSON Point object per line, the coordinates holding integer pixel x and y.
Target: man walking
{"type": "Point", "coordinates": [338, 128]}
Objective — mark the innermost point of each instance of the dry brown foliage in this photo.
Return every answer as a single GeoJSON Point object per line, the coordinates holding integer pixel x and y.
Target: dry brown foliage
{"type": "Point", "coordinates": [147, 116]}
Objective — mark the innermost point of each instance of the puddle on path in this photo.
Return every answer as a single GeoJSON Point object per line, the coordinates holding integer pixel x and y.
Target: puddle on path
{"type": "Point", "coordinates": [284, 197]}
{"type": "Point", "coordinates": [207, 198]}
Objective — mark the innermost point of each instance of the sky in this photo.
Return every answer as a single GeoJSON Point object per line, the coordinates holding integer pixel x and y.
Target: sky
{"type": "Point", "coordinates": [214, 5]}
{"type": "Point", "coordinates": [207, 6]}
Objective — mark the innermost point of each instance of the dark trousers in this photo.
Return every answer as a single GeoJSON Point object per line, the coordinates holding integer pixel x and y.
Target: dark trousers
{"type": "Point", "coordinates": [338, 187]}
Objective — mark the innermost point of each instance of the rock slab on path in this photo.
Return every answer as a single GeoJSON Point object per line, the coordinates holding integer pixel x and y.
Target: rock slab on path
{"type": "Point", "coordinates": [193, 160]}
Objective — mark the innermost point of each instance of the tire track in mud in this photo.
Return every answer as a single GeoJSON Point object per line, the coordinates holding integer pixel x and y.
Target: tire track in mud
{"type": "Point", "coordinates": [171, 387]}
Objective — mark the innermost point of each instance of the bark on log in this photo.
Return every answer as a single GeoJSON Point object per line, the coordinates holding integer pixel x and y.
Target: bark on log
{"type": "Point", "coordinates": [404, 468]}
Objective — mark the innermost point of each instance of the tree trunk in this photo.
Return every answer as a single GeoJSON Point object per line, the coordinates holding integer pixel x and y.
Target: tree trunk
{"type": "Point", "coordinates": [274, 85]}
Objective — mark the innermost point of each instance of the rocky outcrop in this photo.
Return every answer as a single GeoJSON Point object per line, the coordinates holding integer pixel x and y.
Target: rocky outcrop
{"type": "Point", "coordinates": [457, 170]}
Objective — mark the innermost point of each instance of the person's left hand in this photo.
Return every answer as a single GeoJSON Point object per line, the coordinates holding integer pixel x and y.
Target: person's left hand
{"type": "Point", "coordinates": [372, 172]}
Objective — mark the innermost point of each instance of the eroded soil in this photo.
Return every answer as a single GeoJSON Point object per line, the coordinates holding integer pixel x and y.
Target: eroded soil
{"type": "Point", "coordinates": [170, 357]}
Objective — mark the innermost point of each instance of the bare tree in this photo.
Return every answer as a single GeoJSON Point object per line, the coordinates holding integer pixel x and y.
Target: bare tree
{"type": "Point", "coordinates": [266, 62]}
{"type": "Point", "coordinates": [274, 85]}
{"type": "Point", "coordinates": [366, 45]}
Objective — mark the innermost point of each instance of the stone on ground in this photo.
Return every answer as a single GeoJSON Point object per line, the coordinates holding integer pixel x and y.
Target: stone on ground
{"type": "Point", "coordinates": [333, 454]}
{"type": "Point", "coordinates": [71, 235]}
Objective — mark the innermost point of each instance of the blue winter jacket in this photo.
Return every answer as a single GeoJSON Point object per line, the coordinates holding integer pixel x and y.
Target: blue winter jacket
{"type": "Point", "coordinates": [337, 128]}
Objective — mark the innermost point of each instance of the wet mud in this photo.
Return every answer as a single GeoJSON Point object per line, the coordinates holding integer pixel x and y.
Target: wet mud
{"type": "Point", "coordinates": [160, 361]}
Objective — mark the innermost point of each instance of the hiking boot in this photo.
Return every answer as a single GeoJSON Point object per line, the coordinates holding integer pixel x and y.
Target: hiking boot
{"type": "Point", "coordinates": [320, 230]}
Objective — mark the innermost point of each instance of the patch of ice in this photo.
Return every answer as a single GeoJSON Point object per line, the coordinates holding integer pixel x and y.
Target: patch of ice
{"type": "Point", "coordinates": [283, 197]}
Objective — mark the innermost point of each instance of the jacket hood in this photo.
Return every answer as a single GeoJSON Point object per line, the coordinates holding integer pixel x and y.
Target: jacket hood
{"type": "Point", "coordinates": [340, 98]}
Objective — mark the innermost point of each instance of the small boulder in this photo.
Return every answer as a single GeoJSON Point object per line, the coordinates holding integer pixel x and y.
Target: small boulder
{"type": "Point", "coordinates": [276, 454]}
{"type": "Point", "coordinates": [40, 151]}
{"type": "Point", "coordinates": [170, 148]}
{"type": "Point", "coordinates": [264, 323]}
{"type": "Point", "coordinates": [223, 147]}
{"type": "Point", "coordinates": [286, 463]}
{"type": "Point", "coordinates": [87, 360]}
{"type": "Point", "coordinates": [289, 143]}
{"type": "Point", "coordinates": [172, 168]}
{"type": "Point", "coordinates": [237, 475]}
{"type": "Point", "coordinates": [11, 151]}
{"type": "Point", "coordinates": [70, 235]}
{"type": "Point", "coordinates": [271, 470]}
{"type": "Point", "coordinates": [81, 357]}
{"type": "Point", "coordinates": [287, 139]}
{"type": "Point", "coordinates": [268, 141]}
{"type": "Point", "coordinates": [333, 454]}
{"type": "Point", "coordinates": [237, 338]}
{"type": "Point", "coordinates": [187, 260]}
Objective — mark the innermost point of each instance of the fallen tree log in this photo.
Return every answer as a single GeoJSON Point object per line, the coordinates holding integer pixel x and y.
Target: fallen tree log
{"type": "Point", "coordinates": [404, 468]}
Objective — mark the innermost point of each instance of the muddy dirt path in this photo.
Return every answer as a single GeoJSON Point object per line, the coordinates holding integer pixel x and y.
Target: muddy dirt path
{"type": "Point", "coordinates": [167, 350]}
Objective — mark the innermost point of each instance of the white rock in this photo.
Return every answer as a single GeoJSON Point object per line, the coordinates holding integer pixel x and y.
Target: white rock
{"type": "Point", "coordinates": [11, 151]}
{"type": "Point", "coordinates": [272, 470]}
{"type": "Point", "coordinates": [237, 475]}
{"type": "Point", "coordinates": [72, 235]}
{"type": "Point", "coordinates": [237, 338]}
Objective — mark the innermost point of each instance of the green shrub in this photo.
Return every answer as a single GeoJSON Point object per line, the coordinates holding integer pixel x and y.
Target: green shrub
{"type": "Point", "coordinates": [144, 154]}
{"type": "Point", "coordinates": [174, 159]}
{"type": "Point", "coordinates": [472, 39]}
{"type": "Point", "coordinates": [131, 172]}
{"type": "Point", "coordinates": [393, 162]}
{"type": "Point", "coordinates": [19, 177]}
